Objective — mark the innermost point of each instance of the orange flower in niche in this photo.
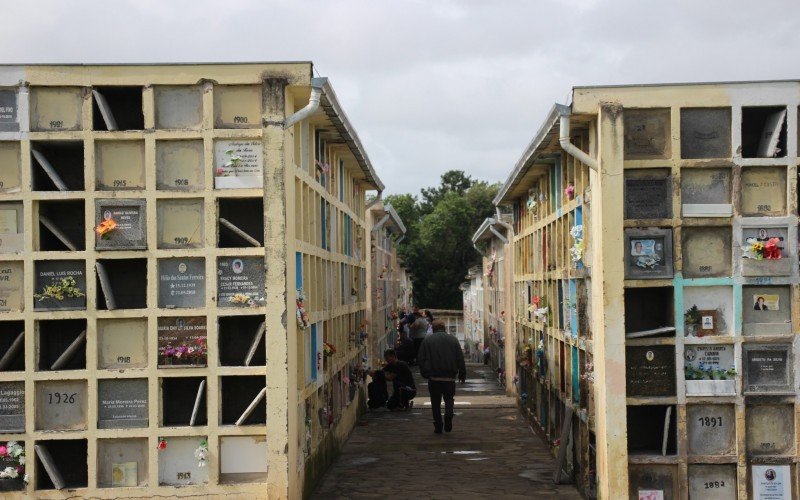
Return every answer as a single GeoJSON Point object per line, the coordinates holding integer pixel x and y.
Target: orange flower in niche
{"type": "Point", "coordinates": [106, 227]}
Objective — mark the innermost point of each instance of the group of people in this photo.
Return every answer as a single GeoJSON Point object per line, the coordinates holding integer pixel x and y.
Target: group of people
{"type": "Point", "coordinates": [425, 342]}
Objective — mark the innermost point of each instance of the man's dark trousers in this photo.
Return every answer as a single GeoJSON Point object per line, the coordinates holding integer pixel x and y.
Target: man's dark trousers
{"type": "Point", "coordinates": [441, 389]}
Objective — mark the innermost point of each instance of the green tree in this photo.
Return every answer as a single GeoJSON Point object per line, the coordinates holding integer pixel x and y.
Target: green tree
{"type": "Point", "coordinates": [452, 181]}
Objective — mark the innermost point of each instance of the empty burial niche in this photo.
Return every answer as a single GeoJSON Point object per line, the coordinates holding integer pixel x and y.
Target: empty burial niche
{"type": "Point", "coordinates": [705, 133]}
{"type": "Point", "coordinates": [179, 165]}
{"type": "Point", "coordinates": [243, 400]}
{"type": "Point", "coordinates": [652, 430]}
{"type": "Point", "coordinates": [180, 223]}
{"type": "Point", "coordinates": [61, 464]}
{"type": "Point", "coordinates": [61, 226]}
{"type": "Point", "coordinates": [183, 401]}
{"type": "Point", "coordinates": [57, 166]}
{"type": "Point", "coordinates": [178, 107]}
{"type": "Point", "coordinates": [10, 161]}
{"type": "Point", "coordinates": [121, 462]}
{"type": "Point", "coordinates": [119, 165]}
{"type": "Point", "coordinates": [12, 346]}
{"type": "Point", "coordinates": [61, 344]}
{"type": "Point", "coordinates": [117, 108]}
{"type": "Point", "coordinates": [649, 312]}
{"type": "Point", "coordinates": [241, 459]}
{"type": "Point", "coordinates": [56, 108]}
{"type": "Point", "coordinates": [242, 341]}
{"type": "Point", "coordinates": [770, 429]}
{"type": "Point", "coordinates": [237, 106]}
{"type": "Point", "coordinates": [241, 222]}
{"type": "Point", "coordinates": [763, 132]}
{"type": "Point", "coordinates": [121, 283]}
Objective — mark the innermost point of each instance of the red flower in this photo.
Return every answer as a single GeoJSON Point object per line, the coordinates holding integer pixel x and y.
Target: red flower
{"type": "Point", "coordinates": [162, 444]}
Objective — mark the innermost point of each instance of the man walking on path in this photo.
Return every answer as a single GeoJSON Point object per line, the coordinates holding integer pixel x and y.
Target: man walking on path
{"type": "Point", "coordinates": [441, 361]}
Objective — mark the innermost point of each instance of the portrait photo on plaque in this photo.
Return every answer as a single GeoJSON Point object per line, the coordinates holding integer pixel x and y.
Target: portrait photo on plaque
{"type": "Point", "coordinates": [648, 253]}
{"type": "Point", "coordinates": [766, 302]}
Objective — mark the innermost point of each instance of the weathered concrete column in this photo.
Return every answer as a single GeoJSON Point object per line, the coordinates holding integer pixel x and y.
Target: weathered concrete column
{"type": "Point", "coordinates": [608, 317]}
{"type": "Point", "coordinates": [275, 250]}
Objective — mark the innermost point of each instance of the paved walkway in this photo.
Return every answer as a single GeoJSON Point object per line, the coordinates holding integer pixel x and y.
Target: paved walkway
{"type": "Point", "coordinates": [491, 453]}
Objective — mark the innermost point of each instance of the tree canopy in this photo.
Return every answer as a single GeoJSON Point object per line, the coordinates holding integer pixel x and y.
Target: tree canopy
{"type": "Point", "coordinates": [437, 249]}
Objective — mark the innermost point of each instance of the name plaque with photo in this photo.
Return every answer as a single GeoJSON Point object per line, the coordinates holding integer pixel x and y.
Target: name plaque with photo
{"type": "Point", "coordinates": [121, 225]}
{"type": "Point", "coordinates": [650, 371]}
{"type": "Point", "coordinates": [240, 282]}
{"type": "Point", "coordinates": [182, 341]}
{"type": "Point", "coordinates": [181, 283]}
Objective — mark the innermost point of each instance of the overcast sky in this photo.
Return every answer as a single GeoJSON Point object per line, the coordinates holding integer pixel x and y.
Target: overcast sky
{"type": "Point", "coordinates": [430, 85]}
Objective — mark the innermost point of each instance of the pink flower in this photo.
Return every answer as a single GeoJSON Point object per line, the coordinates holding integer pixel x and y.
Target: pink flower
{"type": "Point", "coordinates": [220, 171]}
{"type": "Point", "coordinates": [3, 451]}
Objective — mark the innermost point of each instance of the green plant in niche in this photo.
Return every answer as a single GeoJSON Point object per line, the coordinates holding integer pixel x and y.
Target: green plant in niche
{"type": "Point", "coordinates": [692, 316]}
{"type": "Point", "coordinates": [60, 289]}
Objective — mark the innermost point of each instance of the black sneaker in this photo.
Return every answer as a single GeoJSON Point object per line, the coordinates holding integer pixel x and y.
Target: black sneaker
{"type": "Point", "coordinates": [448, 424]}
{"type": "Point", "coordinates": [437, 429]}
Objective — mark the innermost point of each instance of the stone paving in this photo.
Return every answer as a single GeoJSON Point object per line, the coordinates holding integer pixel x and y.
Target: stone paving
{"type": "Point", "coordinates": [491, 453]}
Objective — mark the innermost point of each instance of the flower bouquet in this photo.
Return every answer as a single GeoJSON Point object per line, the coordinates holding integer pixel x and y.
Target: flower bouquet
{"type": "Point", "coordinates": [186, 353]}
{"type": "Point", "coordinates": [12, 452]}
{"type": "Point", "coordinates": [60, 289]}
{"type": "Point", "coordinates": [328, 349]}
{"type": "Point", "coordinates": [105, 228]}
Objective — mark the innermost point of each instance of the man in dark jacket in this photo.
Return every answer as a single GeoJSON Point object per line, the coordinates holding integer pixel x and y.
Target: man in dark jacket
{"type": "Point", "coordinates": [441, 361]}
{"type": "Point", "coordinates": [402, 380]}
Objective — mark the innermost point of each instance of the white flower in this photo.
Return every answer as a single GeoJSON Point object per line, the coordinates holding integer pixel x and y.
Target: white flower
{"type": "Point", "coordinates": [9, 472]}
{"type": "Point", "coordinates": [22, 460]}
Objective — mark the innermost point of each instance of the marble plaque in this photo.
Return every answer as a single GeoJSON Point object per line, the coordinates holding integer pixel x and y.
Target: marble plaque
{"type": "Point", "coordinates": [237, 106]}
{"type": "Point", "coordinates": [241, 459]}
{"type": "Point", "coordinates": [178, 107]}
{"type": "Point", "coordinates": [712, 356]}
{"type": "Point", "coordinates": [177, 465]}
{"type": "Point", "coordinates": [766, 310]}
{"type": "Point", "coordinates": [648, 194]}
{"type": "Point", "coordinates": [711, 429]}
{"type": "Point", "coordinates": [182, 341]}
{"type": "Point", "coordinates": [705, 133]}
{"type": "Point", "coordinates": [10, 181]}
{"type": "Point", "coordinates": [238, 164]}
{"type": "Point", "coordinates": [122, 403]}
{"type": "Point", "coordinates": [56, 108]}
{"type": "Point", "coordinates": [770, 429]}
{"type": "Point", "coordinates": [180, 223]}
{"type": "Point", "coordinates": [180, 165]}
{"type": "Point", "coordinates": [768, 368]}
{"type": "Point", "coordinates": [648, 253]}
{"type": "Point", "coordinates": [122, 343]}
{"type": "Point", "coordinates": [131, 219]}
{"type": "Point", "coordinates": [772, 482]}
{"type": "Point", "coordinates": [706, 252]}
{"type": "Point", "coordinates": [11, 280]}
{"type": "Point", "coordinates": [181, 283]}
{"type": "Point", "coordinates": [12, 407]}
{"type": "Point", "coordinates": [9, 119]}
{"type": "Point", "coordinates": [650, 371]}
{"type": "Point", "coordinates": [52, 272]}
{"type": "Point", "coordinates": [11, 228]}
{"type": "Point", "coordinates": [119, 165]}
{"type": "Point", "coordinates": [647, 134]}
{"type": "Point", "coordinates": [61, 405]}
{"type": "Point", "coordinates": [712, 482]}
{"type": "Point", "coordinates": [240, 282]}
{"type": "Point", "coordinates": [763, 191]}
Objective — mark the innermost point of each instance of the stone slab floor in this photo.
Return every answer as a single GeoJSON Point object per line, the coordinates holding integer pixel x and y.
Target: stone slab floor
{"type": "Point", "coordinates": [491, 453]}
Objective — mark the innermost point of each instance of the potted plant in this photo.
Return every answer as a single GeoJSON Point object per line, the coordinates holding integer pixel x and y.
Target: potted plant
{"type": "Point", "coordinates": [691, 320]}
{"type": "Point", "coordinates": [706, 380]}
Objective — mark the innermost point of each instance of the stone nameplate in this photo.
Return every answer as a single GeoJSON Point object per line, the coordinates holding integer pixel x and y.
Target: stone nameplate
{"type": "Point", "coordinates": [648, 253]}
{"type": "Point", "coordinates": [772, 482]}
{"type": "Point", "coordinates": [648, 195]}
{"type": "Point", "coordinates": [238, 164]}
{"type": "Point", "coordinates": [706, 252]}
{"type": "Point", "coordinates": [647, 134]}
{"type": "Point", "coordinates": [714, 357]}
{"type": "Point", "coordinates": [9, 120]}
{"type": "Point", "coordinates": [122, 403]}
{"type": "Point", "coordinates": [177, 465]}
{"type": "Point", "coordinates": [766, 310]}
{"type": "Point", "coordinates": [182, 341]}
{"type": "Point", "coordinates": [11, 228]}
{"type": "Point", "coordinates": [768, 368]}
{"type": "Point", "coordinates": [712, 482]}
{"type": "Point", "coordinates": [782, 266]}
{"type": "Point", "coordinates": [237, 106]}
{"type": "Point", "coordinates": [56, 108]}
{"type": "Point", "coordinates": [10, 181]}
{"type": "Point", "coordinates": [120, 165]}
{"type": "Point", "coordinates": [61, 405]}
{"type": "Point", "coordinates": [770, 429]}
{"type": "Point", "coordinates": [11, 277]}
{"type": "Point", "coordinates": [180, 223]}
{"type": "Point", "coordinates": [711, 429]}
{"type": "Point", "coordinates": [240, 282]}
{"type": "Point", "coordinates": [705, 133]}
{"type": "Point", "coordinates": [763, 191]}
{"type": "Point", "coordinates": [179, 107]}
{"type": "Point", "coordinates": [181, 283]}
{"type": "Point", "coordinates": [650, 371]}
{"type": "Point", "coordinates": [130, 217]}
{"type": "Point", "coordinates": [179, 165]}
{"type": "Point", "coordinates": [706, 192]}
{"type": "Point", "coordinates": [12, 407]}
{"type": "Point", "coordinates": [52, 272]}
{"type": "Point", "coordinates": [122, 343]}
